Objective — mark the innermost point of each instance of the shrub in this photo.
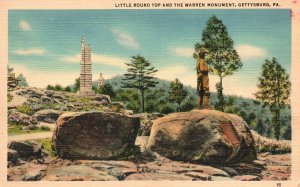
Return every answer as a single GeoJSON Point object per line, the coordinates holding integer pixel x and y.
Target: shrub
{"type": "Point", "coordinates": [26, 109]}
{"type": "Point", "coordinates": [45, 128]}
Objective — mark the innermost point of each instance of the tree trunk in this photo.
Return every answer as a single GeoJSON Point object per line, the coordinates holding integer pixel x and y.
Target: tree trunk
{"type": "Point", "coordinates": [276, 122]}
{"type": "Point", "coordinates": [221, 94]}
{"type": "Point", "coordinates": [143, 107]}
{"type": "Point", "coordinates": [221, 101]}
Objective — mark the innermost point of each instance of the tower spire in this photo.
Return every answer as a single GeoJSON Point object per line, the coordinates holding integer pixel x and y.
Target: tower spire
{"type": "Point", "coordinates": [82, 41]}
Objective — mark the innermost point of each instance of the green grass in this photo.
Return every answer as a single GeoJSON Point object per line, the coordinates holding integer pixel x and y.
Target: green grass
{"type": "Point", "coordinates": [26, 109]}
{"type": "Point", "coordinates": [46, 142]}
{"type": "Point", "coordinates": [14, 129]}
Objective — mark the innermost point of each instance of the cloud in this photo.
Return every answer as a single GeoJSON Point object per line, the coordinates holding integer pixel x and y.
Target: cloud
{"type": "Point", "coordinates": [125, 39]}
{"type": "Point", "coordinates": [34, 51]}
{"type": "Point", "coordinates": [184, 52]}
{"type": "Point", "coordinates": [24, 25]}
{"type": "Point", "coordinates": [247, 52]}
{"type": "Point", "coordinates": [99, 59]}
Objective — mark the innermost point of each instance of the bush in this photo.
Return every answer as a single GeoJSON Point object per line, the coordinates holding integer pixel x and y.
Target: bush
{"type": "Point", "coordinates": [26, 109]}
{"type": "Point", "coordinates": [45, 128]}
{"type": "Point", "coordinates": [166, 109]}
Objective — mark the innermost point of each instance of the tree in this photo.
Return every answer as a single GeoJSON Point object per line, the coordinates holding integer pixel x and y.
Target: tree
{"type": "Point", "coordinates": [139, 76]}
{"type": "Point", "coordinates": [177, 93]}
{"type": "Point", "coordinates": [50, 87]}
{"type": "Point", "coordinates": [274, 90]}
{"type": "Point", "coordinates": [22, 80]}
{"type": "Point", "coordinates": [67, 89]}
{"type": "Point", "coordinates": [107, 89]}
{"type": "Point", "coordinates": [222, 57]}
{"type": "Point", "coordinates": [76, 85]}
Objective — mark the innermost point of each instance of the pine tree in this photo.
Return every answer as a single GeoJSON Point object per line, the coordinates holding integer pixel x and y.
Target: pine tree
{"type": "Point", "coordinates": [139, 76]}
{"type": "Point", "coordinates": [274, 90]}
{"type": "Point", "coordinates": [222, 57]}
{"type": "Point", "coordinates": [22, 80]}
{"type": "Point", "coordinates": [177, 93]}
{"type": "Point", "coordinates": [76, 85]}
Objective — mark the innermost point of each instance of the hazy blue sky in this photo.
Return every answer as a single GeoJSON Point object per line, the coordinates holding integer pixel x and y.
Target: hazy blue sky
{"type": "Point", "coordinates": [44, 44]}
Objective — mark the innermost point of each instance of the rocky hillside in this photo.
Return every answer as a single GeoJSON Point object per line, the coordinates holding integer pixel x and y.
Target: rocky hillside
{"type": "Point", "coordinates": [27, 106]}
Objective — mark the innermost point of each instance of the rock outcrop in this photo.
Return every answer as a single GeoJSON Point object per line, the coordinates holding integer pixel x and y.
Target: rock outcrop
{"type": "Point", "coordinates": [26, 150]}
{"type": "Point", "coordinates": [94, 135]}
{"type": "Point", "coordinates": [205, 136]}
{"type": "Point", "coordinates": [47, 115]}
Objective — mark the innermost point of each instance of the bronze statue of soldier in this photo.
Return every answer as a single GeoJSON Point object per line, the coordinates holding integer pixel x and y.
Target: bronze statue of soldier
{"type": "Point", "coordinates": [202, 80]}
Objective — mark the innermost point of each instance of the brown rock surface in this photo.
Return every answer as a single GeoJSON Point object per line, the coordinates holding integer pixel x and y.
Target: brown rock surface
{"type": "Point", "coordinates": [26, 172]}
{"type": "Point", "coordinates": [47, 115]}
{"type": "Point", "coordinates": [205, 136]}
{"type": "Point", "coordinates": [95, 135]}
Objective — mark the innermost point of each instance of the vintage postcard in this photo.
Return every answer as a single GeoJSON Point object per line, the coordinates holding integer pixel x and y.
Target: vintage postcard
{"type": "Point", "coordinates": [137, 93]}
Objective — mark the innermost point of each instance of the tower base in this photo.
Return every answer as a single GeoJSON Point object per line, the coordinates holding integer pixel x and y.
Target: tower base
{"type": "Point", "coordinates": [87, 93]}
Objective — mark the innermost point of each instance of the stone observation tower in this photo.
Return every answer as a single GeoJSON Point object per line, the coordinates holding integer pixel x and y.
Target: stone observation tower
{"type": "Point", "coordinates": [101, 81]}
{"type": "Point", "coordinates": [85, 70]}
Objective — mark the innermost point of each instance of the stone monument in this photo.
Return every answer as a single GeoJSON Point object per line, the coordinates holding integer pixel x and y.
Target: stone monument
{"type": "Point", "coordinates": [85, 70]}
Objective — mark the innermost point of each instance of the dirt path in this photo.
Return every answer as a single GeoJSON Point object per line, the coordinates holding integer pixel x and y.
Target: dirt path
{"type": "Point", "coordinates": [30, 136]}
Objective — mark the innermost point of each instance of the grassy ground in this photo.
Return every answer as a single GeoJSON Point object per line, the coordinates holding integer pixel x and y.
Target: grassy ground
{"type": "Point", "coordinates": [14, 129]}
{"type": "Point", "coordinates": [47, 145]}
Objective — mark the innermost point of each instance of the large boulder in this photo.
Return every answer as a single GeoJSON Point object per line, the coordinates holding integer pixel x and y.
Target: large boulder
{"type": "Point", "coordinates": [94, 135]}
{"type": "Point", "coordinates": [26, 150]}
{"type": "Point", "coordinates": [206, 136]}
{"type": "Point", "coordinates": [47, 115]}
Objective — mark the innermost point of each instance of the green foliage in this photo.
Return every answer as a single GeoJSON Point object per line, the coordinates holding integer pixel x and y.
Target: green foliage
{"type": "Point", "coordinates": [15, 129]}
{"type": "Point", "coordinates": [26, 109]}
{"type": "Point", "coordinates": [50, 87]}
{"type": "Point", "coordinates": [76, 85]}
{"type": "Point", "coordinates": [46, 143]}
{"type": "Point", "coordinates": [58, 87]}
{"type": "Point", "coordinates": [139, 76]}
{"type": "Point", "coordinates": [166, 109]}
{"type": "Point", "coordinates": [45, 128]}
{"type": "Point", "coordinates": [222, 57]}
{"type": "Point", "coordinates": [274, 90]}
{"type": "Point", "coordinates": [177, 93]}
{"type": "Point", "coordinates": [67, 89]}
{"type": "Point", "coordinates": [107, 89]}
{"type": "Point", "coordinates": [22, 80]}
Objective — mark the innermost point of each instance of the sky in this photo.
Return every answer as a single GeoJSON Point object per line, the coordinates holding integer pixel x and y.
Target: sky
{"type": "Point", "coordinates": [44, 45]}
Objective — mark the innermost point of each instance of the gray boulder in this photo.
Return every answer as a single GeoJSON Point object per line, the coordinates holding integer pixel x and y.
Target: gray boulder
{"type": "Point", "coordinates": [94, 135]}
{"type": "Point", "coordinates": [203, 136]}
{"type": "Point", "coordinates": [12, 158]}
{"type": "Point", "coordinates": [26, 150]}
{"type": "Point", "coordinates": [103, 99]}
{"type": "Point", "coordinates": [47, 115]}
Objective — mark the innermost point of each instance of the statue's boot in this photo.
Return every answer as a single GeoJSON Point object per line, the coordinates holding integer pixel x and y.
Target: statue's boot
{"type": "Point", "coordinates": [200, 102]}
{"type": "Point", "coordinates": [206, 103]}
